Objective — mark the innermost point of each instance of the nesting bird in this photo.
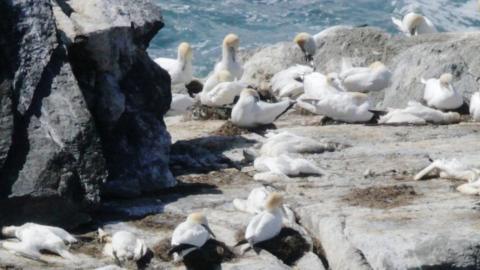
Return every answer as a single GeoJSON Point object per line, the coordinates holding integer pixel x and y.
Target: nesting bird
{"type": "Point", "coordinates": [376, 77]}
{"type": "Point", "coordinates": [267, 224]}
{"type": "Point", "coordinates": [286, 142]}
{"type": "Point", "coordinates": [475, 107]}
{"type": "Point", "coordinates": [289, 82]}
{"type": "Point", "coordinates": [221, 89]}
{"type": "Point", "coordinates": [416, 113]}
{"type": "Point", "coordinates": [440, 94]}
{"type": "Point", "coordinates": [230, 61]}
{"type": "Point", "coordinates": [180, 69]}
{"type": "Point", "coordinates": [283, 166]}
{"type": "Point", "coordinates": [190, 235]}
{"type": "Point", "coordinates": [123, 246]}
{"type": "Point", "coordinates": [251, 112]}
{"type": "Point", "coordinates": [414, 24]}
{"type": "Point", "coordinates": [34, 238]}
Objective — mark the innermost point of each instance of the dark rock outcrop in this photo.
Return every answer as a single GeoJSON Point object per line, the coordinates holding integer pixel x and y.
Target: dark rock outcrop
{"type": "Point", "coordinates": [81, 107]}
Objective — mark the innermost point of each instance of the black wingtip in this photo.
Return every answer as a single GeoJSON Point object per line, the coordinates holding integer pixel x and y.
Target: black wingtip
{"type": "Point", "coordinates": [292, 103]}
{"type": "Point", "coordinates": [179, 248]}
{"type": "Point", "coordinates": [241, 242]}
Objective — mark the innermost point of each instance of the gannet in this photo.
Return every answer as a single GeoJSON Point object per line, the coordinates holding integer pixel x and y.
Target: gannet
{"type": "Point", "coordinates": [283, 166]}
{"type": "Point", "coordinates": [414, 24]}
{"type": "Point", "coordinates": [472, 188]}
{"type": "Point", "coordinates": [255, 203]}
{"type": "Point", "coordinates": [220, 89]}
{"type": "Point", "coordinates": [376, 77]}
{"type": "Point", "coordinates": [475, 107]}
{"type": "Point", "coordinates": [451, 168]}
{"type": "Point", "coordinates": [415, 112]}
{"type": "Point", "coordinates": [289, 82]}
{"type": "Point", "coordinates": [324, 95]}
{"type": "Point", "coordinates": [229, 60]}
{"type": "Point", "coordinates": [286, 142]}
{"type": "Point", "coordinates": [180, 69]}
{"type": "Point", "coordinates": [34, 238]}
{"type": "Point", "coordinates": [123, 246]}
{"type": "Point", "coordinates": [267, 224]}
{"type": "Point", "coordinates": [190, 235]}
{"type": "Point", "coordinates": [250, 112]}
{"type": "Point", "coordinates": [440, 94]}
{"type": "Point", "coordinates": [317, 85]}
{"type": "Point", "coordinates": [307, 44]}
{"type": "Point", "coordinates": [181, 103]}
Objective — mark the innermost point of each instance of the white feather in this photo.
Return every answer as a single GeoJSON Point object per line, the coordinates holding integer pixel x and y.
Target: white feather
{"type": "Point", "coordinates": [289, 82]}
{"type": "Point", "coordinates": [475, 106]}
{"type": "Point", "coordinates": [441, 97]}
{"type": "Point", "coordinates": [264, 226]}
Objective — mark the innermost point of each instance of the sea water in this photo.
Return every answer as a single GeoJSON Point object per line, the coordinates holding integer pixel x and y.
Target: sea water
{"type": "Point", "coordinates": [204, 23]}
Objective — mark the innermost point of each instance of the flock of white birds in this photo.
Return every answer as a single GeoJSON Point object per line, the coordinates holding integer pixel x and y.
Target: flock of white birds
{"type": "Point", "coordinates": [341, 96]}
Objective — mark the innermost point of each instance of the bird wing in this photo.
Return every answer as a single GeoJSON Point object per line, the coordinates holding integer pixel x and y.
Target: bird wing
{"type": "Point", "coordinates": [358, 79]}
{"type": "Point", "coordinates": [225, 93]}
{"type": "Point", "coordinates": [303, 166]}
{"type": "Point", "coordinates": [427, 27]}
{"type": "Point", "coordinates": [266, 113]}
{"type": "Point", "coordinates": [195, 235]}
{"type": "Point", "coordinates": [399, 25]}
{"type": "Point", "coordinates": [181, 102]}
{"type": "Point", "coordinates": [252, 226]}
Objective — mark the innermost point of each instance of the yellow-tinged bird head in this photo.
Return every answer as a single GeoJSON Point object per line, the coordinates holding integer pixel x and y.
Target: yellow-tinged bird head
{"type": "Point", "coordinates": [9, 231]}
{"type": "Point", "coordinates": [231, 41]}
{"type": "Point", "coordinates": [377, 65]}
{"type": "Point", "coordinates": [301, 39]}
{"type": "Point", "coordinates": [274, 201]}
{"type": "Point", "coordinates": [446, 78]}
{"type": "Point", "coordinates": [412, 21]}
{"type": "Point", "coordinates": [247, 92]}
{"type": "Point", "coordinates": [198, 218]}
{"type": "Point", "coordinates": [185, 51]}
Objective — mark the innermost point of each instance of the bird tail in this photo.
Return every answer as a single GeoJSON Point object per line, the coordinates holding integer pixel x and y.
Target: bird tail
{"type": "Point", "coordinates": [422, 80]}
{"type": "Point", "coordinates": [240, 205]}
{"type": "Point", "coordinates": [67, 255]}
{"type": "Point", "coordinates": [292, 103]}
{"type": "Point", "coordinates": [19, 249]}
{"type": "Point", "coordinates": [398, 23]}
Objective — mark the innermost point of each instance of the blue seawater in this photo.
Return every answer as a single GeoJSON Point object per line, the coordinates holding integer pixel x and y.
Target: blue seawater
{"type": "Point", "coordinates": [204, 23]}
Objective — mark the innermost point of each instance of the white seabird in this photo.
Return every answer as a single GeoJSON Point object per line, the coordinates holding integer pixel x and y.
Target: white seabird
{"type": "Point", "coordinates": [230, 60]}
{"type": "Point", "coordinates": [376, 77]}
{"type": "Point", "coordinates": [123, 246]}
{"type": "Point", "coordinates": [416, 113]}
{"type": "Point", "coordinates": [181, 103]}
{"type": "Point", "coordinates": [286, 142]}
{"type": "Point", "coordinates": [317, 85]}
{"type": "Point", "coordinates": [251, 112]}
{"type": "Point", "coordinates": [475, 107]}
{"type": "Point", "coordinates": [255, 203]}
{"type": "Point", "coordinates": [34, 238]}
{"type": "Point", "coordinates": [267, 224]}
{"type": "Point", "coordinates": [414, 24]}
{"type": "Point", "coordinates": [220, 89]}
{"type": "Point", "coordinates": [283, 166]}
{"type": "Point", "coordinates": [451, 168]}
{"type": "Point", "coordinates": [440, 94]}
{"type": "Point", "coordinates": [180, 69]}
{"type": "Point", "coordinates": [289, 82]}
{"type": "Point", "coordinates": [190, 235]}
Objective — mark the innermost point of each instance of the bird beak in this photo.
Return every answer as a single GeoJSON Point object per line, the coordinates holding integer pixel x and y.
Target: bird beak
{"type": "Point", "coordinates": [209, 230]}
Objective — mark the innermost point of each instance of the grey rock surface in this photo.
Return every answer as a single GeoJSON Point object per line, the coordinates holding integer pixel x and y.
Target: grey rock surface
{"type": "Point", "coordinates": [80, 101]}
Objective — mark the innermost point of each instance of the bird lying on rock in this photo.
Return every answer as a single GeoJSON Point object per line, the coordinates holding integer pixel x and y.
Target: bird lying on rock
{"type": "Point", "coordinates": [34, 238]}
{"type": "Point", "coordinates": [255, 203]}
{"type": "Point", "coordinates": [281, 167]}
{"type": "Point", "coordinates": [289, 82]}
{"type": "Point", "coordinates": [440, 94]}
{"type": "Point", "coordinates": [286, 142]}
{"type": "Point", "coordinates": [373, 78]}
{"type": "Point", "coordinates": [221, 89]}
{"type": "Point", "coordinates": [250, 111]}
{"type": "Point", "coordinates": [416, 113]}
{"type": "Point", "coordinates": [123, 246]}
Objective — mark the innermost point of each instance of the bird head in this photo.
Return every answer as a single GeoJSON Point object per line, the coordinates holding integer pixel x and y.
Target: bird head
{"type": "Point", "coordinates": [200, 219]}
{"type": "Point", "coordinates": [307, 44]}
{"type": "Point", "coordinates": [412, 21]}
{"type": "Point", "coordinates": [185, 51]}
{"type": "Point", "coordinates": [103, 237]}
{"type": "Point", "coordinates": [231, 41]}
{"type": "Point", "coordinates": [446, 79]}
{"type": "Point", "coordinates": [247, 92]}
{"type": "Point", "coordinates": [274, 201]}
{"type": "Point", "coordinates": [376, 65]}
{"type": "Point", "coordinates": [9, 231]}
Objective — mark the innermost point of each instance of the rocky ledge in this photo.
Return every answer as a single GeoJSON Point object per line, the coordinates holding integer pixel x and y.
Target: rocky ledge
{"type": "Point", "coordinates": [81, 107]}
